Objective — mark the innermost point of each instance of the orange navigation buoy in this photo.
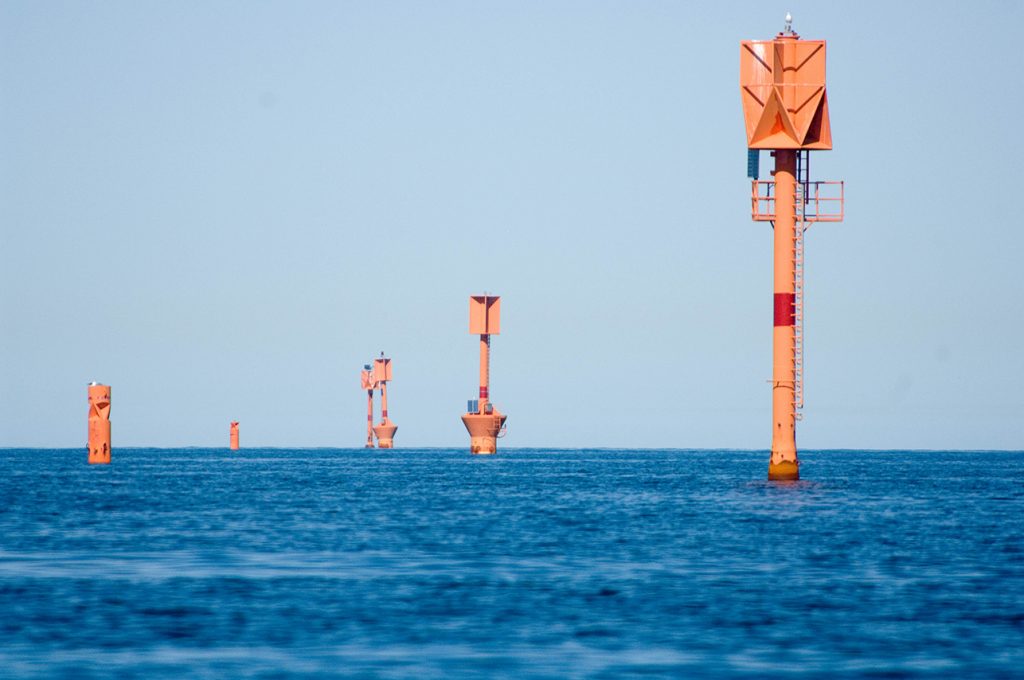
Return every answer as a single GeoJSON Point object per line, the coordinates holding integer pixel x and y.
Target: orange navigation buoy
{"type": "Point", "coordinates": [368, 383]}
{"type": "Point", "coordinates": [234, 435]}
{"type": "Point", "coordinates": [484, 423]}
{"type": "Point", "coordinates": [785, 109]}
{"type": "Point", "coordinates": [385, 431]}
{"type": "Point", "coordinates": [99, 424]}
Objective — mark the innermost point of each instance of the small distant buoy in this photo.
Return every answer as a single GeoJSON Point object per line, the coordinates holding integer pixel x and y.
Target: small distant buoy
{"type": "Point", "coordinates": [385, 431]}
{"type": "Point", "coordinates": [234, 435]}
{"type": "Point", "coordinates": [369, 384]}
{"type": "Point", "coordinates": [99, 424]}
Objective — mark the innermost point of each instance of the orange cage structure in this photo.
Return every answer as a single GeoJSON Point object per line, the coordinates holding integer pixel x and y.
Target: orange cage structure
{"type": "Point", "coordinates": [785, 110]}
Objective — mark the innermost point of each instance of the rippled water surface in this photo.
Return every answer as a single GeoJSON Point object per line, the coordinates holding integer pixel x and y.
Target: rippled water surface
{"type": "Point", "coordinates": [546, 563]}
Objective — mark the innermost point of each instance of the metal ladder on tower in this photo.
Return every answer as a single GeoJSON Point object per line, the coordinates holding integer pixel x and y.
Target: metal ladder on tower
{"type": "Point", "coordinates": [800, 203]}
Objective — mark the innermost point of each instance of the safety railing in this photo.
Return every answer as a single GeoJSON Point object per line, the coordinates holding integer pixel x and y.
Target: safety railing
{"type": "Point", "coordinates": [822, 202]}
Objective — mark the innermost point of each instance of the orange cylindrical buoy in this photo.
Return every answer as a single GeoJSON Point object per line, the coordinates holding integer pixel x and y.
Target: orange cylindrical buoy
{"type": "Point", "coordinates": [234, 435]}
{"type": "Point", "coordinates": [385, 431]}
{"type": "Point", "coordinates": [484, 423]}
{"type": "Point", "coordinates": [99, 424]}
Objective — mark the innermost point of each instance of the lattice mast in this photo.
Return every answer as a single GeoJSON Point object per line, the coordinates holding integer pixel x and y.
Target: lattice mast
{"type": "Point", "coordinates": [785, 108]}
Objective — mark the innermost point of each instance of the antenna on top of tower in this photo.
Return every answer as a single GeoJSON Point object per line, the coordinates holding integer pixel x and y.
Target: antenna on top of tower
{"type": "Point", "coordinates": [789, 23]}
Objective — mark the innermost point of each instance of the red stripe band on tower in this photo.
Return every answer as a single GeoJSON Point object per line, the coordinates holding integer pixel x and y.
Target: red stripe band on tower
{"type": "Point", "coordinates": [483, 392]}
{"type": "Point", "coordinates": [369, 418]}
{"type": "Point", "coordinates": [784, 309]}
{"type": "Point", "coordinates": [384, 414]}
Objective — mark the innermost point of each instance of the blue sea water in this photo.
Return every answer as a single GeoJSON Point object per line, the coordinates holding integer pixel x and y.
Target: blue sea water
{"type": "Point", "coordinates": [431, 563]}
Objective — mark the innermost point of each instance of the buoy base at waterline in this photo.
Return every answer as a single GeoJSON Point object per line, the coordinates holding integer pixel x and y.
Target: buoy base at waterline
{"type": "Point", "coordinates": [99, 443]}
{"type": "Point", "coordinates": [783, 470]}
{"type": "Point", "coordinates": [483, 431]}
{"type": "Point", "coordinates": [385, 435]}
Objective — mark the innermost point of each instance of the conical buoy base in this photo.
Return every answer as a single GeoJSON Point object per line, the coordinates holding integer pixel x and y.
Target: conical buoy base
{"type": "Point", "coordinates": [784, 471]}
{"type": "Point", "coordinates": [385, 434]}
{"type": "Point", "coordinates": [483, 431]}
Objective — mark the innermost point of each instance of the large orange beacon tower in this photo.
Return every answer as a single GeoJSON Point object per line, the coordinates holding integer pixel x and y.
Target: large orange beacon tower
{"type": "Point", "coordinates": [99, 424]}
{"type": "Point", "coordinates": [484, 422]}
{"type": "Point", "coordinates": [785, 108]}
{"type": "Point", "coordinates": [369, 384]}
{"type": "Point", "coordinates": [386, 430]}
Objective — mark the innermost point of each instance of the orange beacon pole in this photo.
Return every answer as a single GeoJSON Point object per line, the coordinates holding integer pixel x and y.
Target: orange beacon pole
{"type": "Point", "coordinates": [366, 378]}
{"type": "Point", "coordinates": [785, 108]}
{"type": "Point", "coordinates": [484, 422]}
{"type": "Point", "coordinates": [234, 435]}
{"type": "Point", "coordinates": [386, 430]}
{"type": "Point", "coordinates": [99, 424]}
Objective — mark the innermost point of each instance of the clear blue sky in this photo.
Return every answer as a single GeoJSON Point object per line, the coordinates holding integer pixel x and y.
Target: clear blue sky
{"type": "Point", "coordinates": [223, 209]}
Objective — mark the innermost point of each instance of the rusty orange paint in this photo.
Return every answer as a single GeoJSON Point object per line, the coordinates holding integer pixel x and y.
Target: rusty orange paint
{"type": "Point", "coordinates": [234, 435]}
{"type": "Point", "coordinates": [484, 430]}
{"type": "Point", "coordinates": [485, 425]}
{"type": "Point", "coordinates": [99, 424]}
{"type": "Point", "coordinates": [385, 430]}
